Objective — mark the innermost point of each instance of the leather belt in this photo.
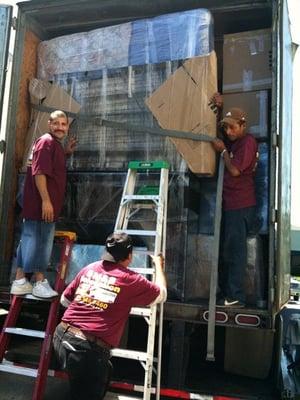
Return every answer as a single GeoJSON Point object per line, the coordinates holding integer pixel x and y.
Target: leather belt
{"type": "Point", "coordinates": [85, 336]}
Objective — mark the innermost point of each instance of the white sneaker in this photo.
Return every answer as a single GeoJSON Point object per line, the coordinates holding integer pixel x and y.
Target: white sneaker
{"type": "Point", "coordinates": [43, 289]}
{"type": "Point", "coordinates": [21, 288]}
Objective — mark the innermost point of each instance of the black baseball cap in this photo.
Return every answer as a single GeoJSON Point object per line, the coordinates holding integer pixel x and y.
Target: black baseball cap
{"type": "Point", "coordinates": [117, 247]}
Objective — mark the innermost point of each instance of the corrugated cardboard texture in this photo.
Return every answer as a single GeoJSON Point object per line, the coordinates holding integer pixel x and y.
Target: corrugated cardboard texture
{"type": "Point", "coordinates": [181, 103]}
{"type": "Point", "coordinates": [247, 61]}
{"type": "Point", "coordinates": [255, 104]}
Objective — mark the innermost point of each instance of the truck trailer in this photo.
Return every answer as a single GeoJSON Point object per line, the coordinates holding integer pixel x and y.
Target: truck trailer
{"type": "Point", "coordinates": [246, 50]}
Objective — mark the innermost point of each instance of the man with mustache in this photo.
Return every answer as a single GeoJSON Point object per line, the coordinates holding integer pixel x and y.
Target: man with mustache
{"type": "Point", "coordinates": [43, 198]}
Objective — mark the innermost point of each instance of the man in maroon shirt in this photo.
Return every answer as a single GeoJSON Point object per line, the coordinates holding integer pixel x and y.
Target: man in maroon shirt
{"type": "Point", "coordinates": [98, 304]}
{"type": "Point", "coordinates": [42, 202]}
{"type": "Point", "coordinates": [240, 153]}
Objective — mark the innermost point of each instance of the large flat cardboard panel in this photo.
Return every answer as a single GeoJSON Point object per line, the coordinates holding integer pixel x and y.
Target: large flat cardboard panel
{"type": "Point", "coordinates": [247, 61]}
{"type": "Point", "coordinates": [181, 103]}
{"type": "Point", "coordinates": [255, 104]}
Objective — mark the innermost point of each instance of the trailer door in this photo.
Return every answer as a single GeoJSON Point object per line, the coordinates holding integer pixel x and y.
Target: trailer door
{"type": "Point", "coordinates": [283, 125]}
{"type": "Point", "coordinates": [5, 21]}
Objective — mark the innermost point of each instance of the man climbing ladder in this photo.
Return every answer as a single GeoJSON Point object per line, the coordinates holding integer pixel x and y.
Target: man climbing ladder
{"type": "Point", "coordinates": [98, 304]}
{"type": "Point", "coordinates": [102, 295]}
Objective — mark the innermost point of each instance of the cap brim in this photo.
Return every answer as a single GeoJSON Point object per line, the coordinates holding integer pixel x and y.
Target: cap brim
{"type": "Point", "coordinates": [228, 120]}
{"type": "Point", "coordinates": [106, 256]}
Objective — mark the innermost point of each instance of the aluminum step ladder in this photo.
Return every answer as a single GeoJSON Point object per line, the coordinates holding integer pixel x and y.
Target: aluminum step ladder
{"type": "Point", "coordinates": [66, 240]}
{"type": "Point", "coordinates": [140, 200]}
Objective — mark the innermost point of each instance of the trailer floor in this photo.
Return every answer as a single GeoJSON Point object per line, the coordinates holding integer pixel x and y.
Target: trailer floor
{"type": "Point", "coordinates": [220, 383]}
{"type": "Point", "coordinates": [16, 387]}
{"type": "Point", "coordinates": [201, 376]}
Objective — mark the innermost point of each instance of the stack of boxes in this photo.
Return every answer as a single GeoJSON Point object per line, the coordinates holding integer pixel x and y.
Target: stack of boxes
{"type": "Point", "coordinates": [159, 71]}
{"type": "Point", "coordinates": [247, 80]}
{"type": "Point", "coordinates": [123, 73]}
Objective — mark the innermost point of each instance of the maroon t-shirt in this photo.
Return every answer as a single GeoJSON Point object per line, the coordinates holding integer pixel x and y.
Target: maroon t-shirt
{"type": "Point", "coordinates": [239, 191]}
{"type": "Point", "coordinates": [102, 295]}
{"type": "Point", "coordinates": [48, 159]}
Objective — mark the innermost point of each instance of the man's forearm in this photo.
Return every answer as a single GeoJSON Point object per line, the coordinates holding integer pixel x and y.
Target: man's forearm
{"type": "Point", "coordinates": [231, 168]}
{"type": "Point", "coordinates": [41, 184]}
{"type": "Point", "coordinates": [160, 278]}
{"type": "Point", "coordinates": [47, 207]}
{"type": "Point", "coordinates": [64, 301]}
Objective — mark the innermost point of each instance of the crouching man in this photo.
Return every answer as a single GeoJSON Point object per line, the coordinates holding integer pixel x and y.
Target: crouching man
{"type": "Point", "coordinates": [98, 304]}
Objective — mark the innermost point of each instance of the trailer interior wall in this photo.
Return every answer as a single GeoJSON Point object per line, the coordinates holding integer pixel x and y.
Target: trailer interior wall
{"type": "Point", "coordinates": [20, 109]}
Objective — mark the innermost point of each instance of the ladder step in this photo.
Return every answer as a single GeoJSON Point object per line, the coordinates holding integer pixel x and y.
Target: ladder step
{"type": "Point", "coordinates": [116, 396]}
{"type": "Point", "coordinates": [141, 311]}
{"type": "Point", "coordinates": [3, 312]}
{"type": "Point", "coordinates": [135, 232]}
{"type": "Point", "coordinates": [138, 250]}
{"type": "Point", "coordinates": [31, 297]}
{"type": "Point", "coordinates": [13, 369]}
{"type": "Point", "coordinates": [148, 165]}
{"type": "Point", "coordinates": [141, 197]}
{"type": "Point", "coordinates": [140, 206]}
{"type": "Point", "coordinates": [130, 354]}
{"type": "Point", "coordinates": [25, 332]}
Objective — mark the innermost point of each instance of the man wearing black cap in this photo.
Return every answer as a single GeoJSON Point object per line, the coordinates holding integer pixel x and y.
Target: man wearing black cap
{"type": "Point", "coordinates": [98, 304]}
{"type": "Point", "coordinates": [240, 153]}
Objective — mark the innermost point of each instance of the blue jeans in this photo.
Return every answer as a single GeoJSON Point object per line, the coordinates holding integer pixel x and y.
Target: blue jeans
{"type": "Point", "coordinates": [87, 364]}
{"type": "Point", "coordinates": [236, 225]}
{"type": "Point", "coordinates": [35, 247]}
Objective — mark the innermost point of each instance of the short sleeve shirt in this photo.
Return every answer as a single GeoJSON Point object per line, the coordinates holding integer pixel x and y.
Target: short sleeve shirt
{"type": "Point", "coordinates": [48, 159]}
{"type": "Point", "coordinates": [102, 295]}
{"type": "Point", "coordinates": [239, 191]}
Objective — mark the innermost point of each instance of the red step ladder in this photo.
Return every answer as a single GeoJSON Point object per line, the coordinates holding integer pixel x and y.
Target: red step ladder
{"type": "Point", "coordinates": [66, 240]}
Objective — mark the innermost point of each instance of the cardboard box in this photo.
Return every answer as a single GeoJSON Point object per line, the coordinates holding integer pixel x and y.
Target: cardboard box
{"type": "Point", "coordinates": [48, 95]}
{"type": "Point", "coordinates": [256, 105]}
{"type": "Point", "coordinates": [181, 103]}
{"type": "Point", "coordinates": [247, 61]}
